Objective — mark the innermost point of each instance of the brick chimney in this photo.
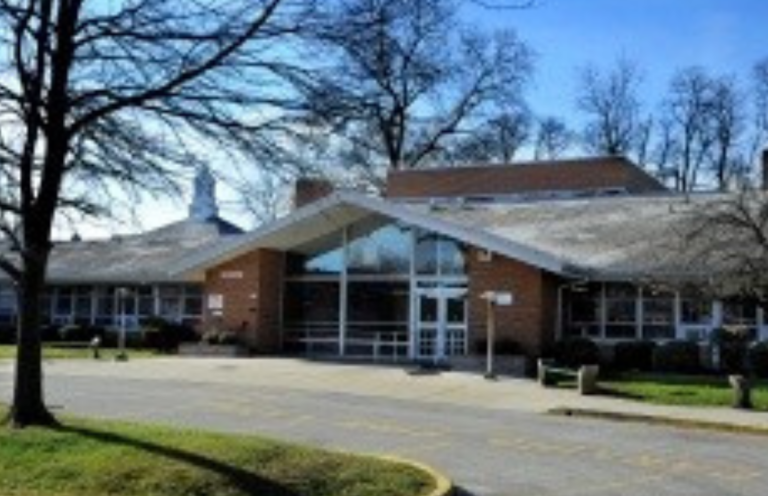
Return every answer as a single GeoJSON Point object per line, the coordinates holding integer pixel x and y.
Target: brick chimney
{"type": "Point", "coordinates": [310, 189]}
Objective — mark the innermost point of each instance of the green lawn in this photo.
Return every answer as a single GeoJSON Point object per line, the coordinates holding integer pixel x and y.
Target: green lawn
{"type": "Point", "coordinates": [670, 389]}
{"type": "Point", "coordinates": [53, 352]}
{"type": "Point", "coordinates": [90, 458]}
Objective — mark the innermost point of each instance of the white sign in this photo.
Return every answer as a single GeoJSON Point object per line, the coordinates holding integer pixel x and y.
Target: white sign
{"type": "Point", "coordinates": [232, 274]}
{"type": "Point", "coordinates": [501, 298]}
{"type": "Point", "coordinates": [215, 302]}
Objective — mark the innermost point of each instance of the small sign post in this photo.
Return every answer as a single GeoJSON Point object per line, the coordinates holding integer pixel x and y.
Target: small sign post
{"type": "Point", "coordinates": [492, 299]}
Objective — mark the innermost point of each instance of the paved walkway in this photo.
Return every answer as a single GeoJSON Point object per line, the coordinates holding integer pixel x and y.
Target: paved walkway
{"type": "Point", "coordinates": [490, 437]}
{"type": "Point", "coordinates": [456, 388]}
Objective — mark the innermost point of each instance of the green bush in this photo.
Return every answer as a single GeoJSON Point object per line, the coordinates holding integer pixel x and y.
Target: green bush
{"type": "Point", "coordinates": [633, 355]}
{"type": "Point", "coordinates": [733, 342]}
{"type": "Point", "coordinates": [164, 336]}
{"type": "Point", "coordinates": [757, 357]}
{"type": "Point", "coordinates": [680, 357]}
{"type": "Point", "coordinates": [575, 352]}
{"type": "Point", "coordinates": [79, 333]}
{"type": "Point", "coordinates": [7, 334]}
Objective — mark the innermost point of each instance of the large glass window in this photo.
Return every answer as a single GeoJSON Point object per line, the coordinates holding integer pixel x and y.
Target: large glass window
{"type": "Point", "coordinates": [315, 302]}
{"type": "Point", "coordinates": [439, 256]}
{"type": "Point", "coordinates": [321, 257]}
{"type": "Point", "coordinates": [658, 314]}
{"type": "Point", "coordinates": [740, 313]}
{"type": "Point", "coordinates": [620, 311]}
{"type": "Point", "coordinates": [376, 249]}
{"type": "Point", "coordinates": [583, 310]}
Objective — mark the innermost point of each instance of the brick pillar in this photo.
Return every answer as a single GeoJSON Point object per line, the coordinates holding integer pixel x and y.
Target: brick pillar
{"type": "Point", "coordinates": [250, 289]}
{"type": "Point", "coordinates": [530, 320]}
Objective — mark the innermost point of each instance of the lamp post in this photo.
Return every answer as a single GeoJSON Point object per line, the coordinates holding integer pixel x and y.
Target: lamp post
{"type": "Point", "coordinates": [492, 299]}
{"type": "Point", "coordinates": [122, 294]}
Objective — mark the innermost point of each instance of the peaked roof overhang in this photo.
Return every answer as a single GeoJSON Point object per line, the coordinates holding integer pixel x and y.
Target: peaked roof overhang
{"type": "Point", "coordinates": [343, 208]}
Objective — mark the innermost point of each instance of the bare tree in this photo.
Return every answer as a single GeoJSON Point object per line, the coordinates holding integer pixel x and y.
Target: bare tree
{"type": "Point", "coordinates": [498, 140]}
{"type": "Point", "coordinates": [105, 96]}
{"type": "Point", "coordinates": [760, 109]}
{"type": "Point", "coordinates": [405, 76]}
{"type": "Point", "coordinates": [552, 139]}
{"type": "Point", "coordinates": [702, 128]}
{"type": "Point", "coordinates": [610, 101]}
{"type": "Point", "coordinates": [727, 114]}
{"type": "Point", "coordinates": [686, 123]}
{"type": "Point", "coordinates": [728, 241]}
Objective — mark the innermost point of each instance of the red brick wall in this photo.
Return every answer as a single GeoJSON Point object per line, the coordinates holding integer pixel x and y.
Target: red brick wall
{"type": "Point", "coordinates": [571, 175]}
{"type": "Point", "coordinates": [530, 320]}
{"type": "Point", "coordinates": [251, 289]}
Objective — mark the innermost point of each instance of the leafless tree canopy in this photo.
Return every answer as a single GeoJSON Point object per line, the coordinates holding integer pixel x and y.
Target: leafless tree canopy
{"type": "Point", "coordinates": [97, 95]}
{"type": "Point", "coordinates": [611, 102]}
{"type": "Point", "coordinates": [404, 76]}
{"type": "Point", "coordinates": [728, 241]}
{"type": "Point", "coordinates": [702, 130]}
{"type": "Point", "coordinates": [552, 139]}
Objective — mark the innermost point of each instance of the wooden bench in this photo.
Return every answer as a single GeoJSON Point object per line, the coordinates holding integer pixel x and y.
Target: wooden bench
{"type": "Point", "coordinates": [549, 374]}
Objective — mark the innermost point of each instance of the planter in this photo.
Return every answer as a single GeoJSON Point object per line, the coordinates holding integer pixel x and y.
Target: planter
{"type": "Point", "coordinates": [212, 350]}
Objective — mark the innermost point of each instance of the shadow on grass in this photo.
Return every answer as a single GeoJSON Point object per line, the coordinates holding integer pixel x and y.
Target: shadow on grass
{"type": "Point", "coordinates": [243, 480]}
{"type": "Point", "coordinates": [615, 393]}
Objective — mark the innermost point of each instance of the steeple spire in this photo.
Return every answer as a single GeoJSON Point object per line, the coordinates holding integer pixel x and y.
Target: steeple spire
{"type": "Point", "coordinates": [203, 206]}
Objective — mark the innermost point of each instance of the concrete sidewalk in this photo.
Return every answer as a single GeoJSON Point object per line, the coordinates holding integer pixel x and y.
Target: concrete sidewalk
{"type": "Point", "coordinates": [450, 388]}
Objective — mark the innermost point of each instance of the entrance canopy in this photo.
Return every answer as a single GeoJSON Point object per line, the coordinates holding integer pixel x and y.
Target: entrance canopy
{"type": "Point", "coordinates": [341, 209]}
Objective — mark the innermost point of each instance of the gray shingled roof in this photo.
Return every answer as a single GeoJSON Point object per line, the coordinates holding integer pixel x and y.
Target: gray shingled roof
{"type": "Point", "coordinates": [622, 236]}
{"type": "Point", "coordinates": [140, 258]}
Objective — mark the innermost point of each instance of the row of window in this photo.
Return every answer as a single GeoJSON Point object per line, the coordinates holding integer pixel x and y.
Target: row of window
{"type": "Point", "coordinates": [106, 305]}
{"type": "Point", "coordinates": [624, 311]}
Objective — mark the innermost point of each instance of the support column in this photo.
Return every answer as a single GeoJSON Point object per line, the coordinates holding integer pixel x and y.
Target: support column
{"type": "Point", "coordinates": [343, 295]}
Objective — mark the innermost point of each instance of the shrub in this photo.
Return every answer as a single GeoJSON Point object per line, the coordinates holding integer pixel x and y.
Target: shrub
{"type": "Point", "coordinates": [733, 342]}
{"type": "Point", "coordinates": [677, 357]}
{"type": "Point", "coordinates": [74, 333]}
{"type": "Point", "coordinates": [7, 334]}
{"type": "Point", "coordinates": [164, 336]}
{"type": "Point", "coordinates": [633, 355]}
{"type": "Point", "coordinates": [50, 333]}
{"type": "Point", "coordinates": [575, 352]}
{"type": "Point", "coordinates": [757, 358]}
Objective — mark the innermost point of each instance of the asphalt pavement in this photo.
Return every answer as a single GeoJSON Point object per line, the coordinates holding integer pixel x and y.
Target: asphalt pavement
{"type": "Point", "coordinates": [490, 438]}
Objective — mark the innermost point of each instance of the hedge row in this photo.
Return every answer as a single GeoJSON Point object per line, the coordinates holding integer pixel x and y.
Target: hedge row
{"type": "Point", "coordinates": [679, 356]}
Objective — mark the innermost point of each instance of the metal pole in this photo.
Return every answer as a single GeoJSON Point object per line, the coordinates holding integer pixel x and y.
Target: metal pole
{"type": "Point", "coordinates": [122, 355]}
{"type": "Point", "coordinates": [489, 372]}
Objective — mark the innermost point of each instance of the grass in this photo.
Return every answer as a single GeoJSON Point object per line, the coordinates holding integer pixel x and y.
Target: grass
{"type": "Point", "coordinates": [61, 352]}
{"type": "Point", "coordinates": [90, 458]}
{"type": "Point", "coordinates": [683, 390]}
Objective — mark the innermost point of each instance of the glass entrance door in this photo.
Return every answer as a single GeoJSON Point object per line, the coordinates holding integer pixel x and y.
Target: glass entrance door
{"type": "Point", "coordinates": [441, 322]}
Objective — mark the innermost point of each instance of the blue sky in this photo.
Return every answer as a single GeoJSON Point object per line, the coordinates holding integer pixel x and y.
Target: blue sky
{"type": "Point", "coordinates": [727, 36]}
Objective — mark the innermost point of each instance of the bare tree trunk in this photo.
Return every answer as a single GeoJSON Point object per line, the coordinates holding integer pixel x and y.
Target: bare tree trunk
{"type": "Point", "coordinates": [28, 406]}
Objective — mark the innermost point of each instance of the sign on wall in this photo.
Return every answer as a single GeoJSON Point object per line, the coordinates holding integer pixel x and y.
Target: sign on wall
{"type": "Point", "coordinates": [232, 274]}
{"type": "Point", "coordinates": [215, 302]}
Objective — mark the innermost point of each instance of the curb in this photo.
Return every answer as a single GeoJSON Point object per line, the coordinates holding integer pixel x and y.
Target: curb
{"type": "Point", "coordinates": [443, 485]}
{"type": "Point", "coordinates": [685, 423]}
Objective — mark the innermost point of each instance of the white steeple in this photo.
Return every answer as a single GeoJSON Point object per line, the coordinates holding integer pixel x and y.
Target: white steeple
{"type": "Point", "coordinates": [203, 206]}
